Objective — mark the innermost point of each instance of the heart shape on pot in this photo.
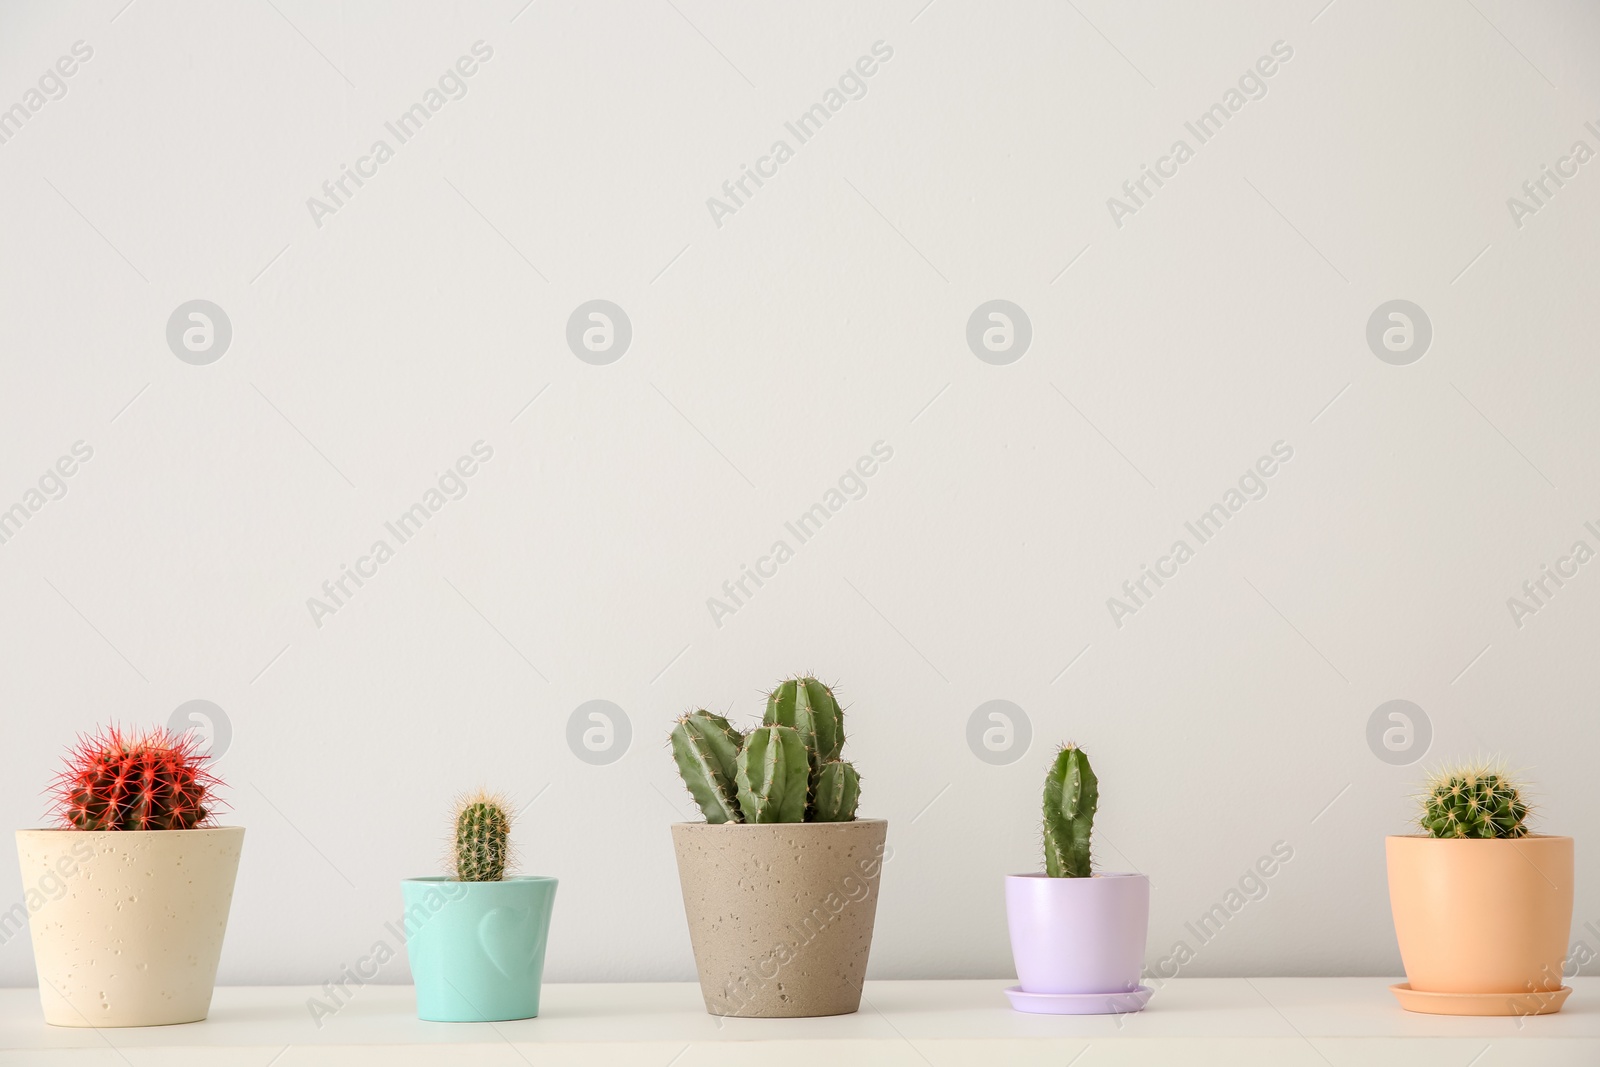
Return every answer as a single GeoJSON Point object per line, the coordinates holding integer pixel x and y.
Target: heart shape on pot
{"type": "Point", "coordinates": [506, 936]}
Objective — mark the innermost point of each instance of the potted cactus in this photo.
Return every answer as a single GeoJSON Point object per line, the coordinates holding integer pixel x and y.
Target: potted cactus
{"type": "Point", "coordinates": [476, 937]}
{"type": "Point", "coordinates": [780, 883]}
{"type": "Point", "coordinates": [128, 898]}
{"type": "Point", "coordinates": [1077, 936]}
{"type": "Point", "coordinates": [1482, 907]}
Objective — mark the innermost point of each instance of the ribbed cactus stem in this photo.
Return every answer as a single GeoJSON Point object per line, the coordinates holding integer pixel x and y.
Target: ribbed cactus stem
{"type": "Point", "coordinates": [1071, 793]}
{"type": "Point", "coordinates": [143, 780]}
{"type": "Point", "coordinates": [705, 747]}
{"type": "Point", "coordinates": [483, 831]}
{"type": "Point", "coordinates": [808, 706]}
{"type": "Point", "coordinates": [773, 775]}
{"type": "Point", "coordinates": [785, 770]}
{"type": "Point", "coordinates": [834, 797]}
{"type": "Point", "coordinates": [1473, 802]}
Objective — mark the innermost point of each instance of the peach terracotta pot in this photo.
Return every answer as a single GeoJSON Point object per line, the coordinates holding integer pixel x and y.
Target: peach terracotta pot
{"type": "Point", "coordinates": [1482, 924]}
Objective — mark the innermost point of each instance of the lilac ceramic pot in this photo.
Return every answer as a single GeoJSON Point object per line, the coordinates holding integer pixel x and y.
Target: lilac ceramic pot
{"type": "Point", "coordinates": [1078, 935]}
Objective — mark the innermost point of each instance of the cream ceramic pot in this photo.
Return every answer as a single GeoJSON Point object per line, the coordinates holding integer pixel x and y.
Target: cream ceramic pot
{"type": "Point", "coordinates": [127, 924]}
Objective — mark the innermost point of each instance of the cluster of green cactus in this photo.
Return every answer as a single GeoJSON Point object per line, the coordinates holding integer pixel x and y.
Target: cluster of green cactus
{"type": "Point", "coordinates": [1473, 802]}
{"type": "Point", "coordinates": [785, 770]}
{"type": "Point", "coordinates": [482, 843]}
{"type": "Point", "coordinates": [1071, 794]}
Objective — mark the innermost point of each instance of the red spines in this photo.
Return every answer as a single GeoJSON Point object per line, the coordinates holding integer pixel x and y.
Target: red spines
{"type": "Point", "coordinates": [153, 780]}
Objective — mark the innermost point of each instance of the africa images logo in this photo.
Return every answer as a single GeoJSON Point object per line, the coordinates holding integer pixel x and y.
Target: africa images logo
{"type": "Point", "coordinates": [1252, 85]}
{"type": "Point", "coordinates": [451, 485]}
{"type": "Point", "coordinates": [452, 85]}
{"type": "Point", "coordinates": [852, 85]}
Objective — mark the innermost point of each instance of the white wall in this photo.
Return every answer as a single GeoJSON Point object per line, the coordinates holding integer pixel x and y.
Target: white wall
{"type": "Point", "coordinates": [374, 345]}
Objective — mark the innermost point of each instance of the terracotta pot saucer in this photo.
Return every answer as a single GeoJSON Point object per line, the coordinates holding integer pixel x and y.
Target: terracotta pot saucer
{"type": "Point", "coordinates": [1543, 1003]}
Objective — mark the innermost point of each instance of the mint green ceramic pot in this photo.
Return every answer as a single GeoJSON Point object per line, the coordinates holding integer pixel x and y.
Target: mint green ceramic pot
{"type": "Point", "coordinates": [477, 948]}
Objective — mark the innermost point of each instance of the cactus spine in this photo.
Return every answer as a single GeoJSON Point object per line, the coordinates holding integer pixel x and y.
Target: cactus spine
{"type": "Point", "coordinates": [705, 747]}
{"type": "Point", "coordinates": [834, 797]}
{"type": "Point", "coordinates": [773, 775]}
{"type": "Point", "coordinates": [483, 831]}
{"type": "Point", "coordinates": [1473, 802]}
{"type": "Point", "coordinates": [786, 770]}
{"type": "Point", "coordinates": [1071, 794]}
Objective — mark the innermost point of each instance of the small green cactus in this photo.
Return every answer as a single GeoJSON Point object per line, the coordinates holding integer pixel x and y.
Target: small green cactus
{"type": "Point", "coordinates": [786, 770]}
{"type": "Point", "coordinates": [773, 775]}
{"type": "Point", "coordinates": [1071, 794]}
{"type": "Point", "coordinates": [1473, 802]}
{"type": "Point", "coordinates": [808, 706]}
{"type": "Point", "coordinates": [705, 747]}
{"type": "Point", "coordinates": [837, 790]}
{"type": "Point", "coordinates": [483, 831]}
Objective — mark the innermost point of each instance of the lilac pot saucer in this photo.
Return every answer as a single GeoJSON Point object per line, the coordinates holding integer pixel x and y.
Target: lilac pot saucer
{"type": "Point", "coordinates": [1079, 1003]}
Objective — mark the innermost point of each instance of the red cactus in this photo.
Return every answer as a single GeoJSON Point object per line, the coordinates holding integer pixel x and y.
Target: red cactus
{"type": "Point", "coordinates": [151, 780]}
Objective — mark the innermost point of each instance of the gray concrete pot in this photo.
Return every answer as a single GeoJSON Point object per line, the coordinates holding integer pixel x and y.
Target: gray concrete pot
{"type": "Point", "coordinates": [780, 914]}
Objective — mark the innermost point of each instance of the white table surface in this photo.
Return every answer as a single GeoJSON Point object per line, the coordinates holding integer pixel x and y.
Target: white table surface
{"type": "Point", "coordinates": [1273, 1022]}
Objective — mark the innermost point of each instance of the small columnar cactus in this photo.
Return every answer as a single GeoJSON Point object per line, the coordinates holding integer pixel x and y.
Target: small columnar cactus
{"type": "Point", "coordinates": [773, 775]}
{"type": "Point", "coordinates": [1473, 802]}
{"type": "Point", "coordinates": [150, 780]}
{"type": "Point", "coordinates": [808, 706]}
{"type": "Point", "coordinates": [483, 833]}
{"type": "Point", "coordinates": [1071, 794]}
{"type": "Point", "coordinates": [837, 790]}
{"type": "Point", "coordinates": [705, 747]}
{"type": "Point", "coordinates": [786, 770]}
